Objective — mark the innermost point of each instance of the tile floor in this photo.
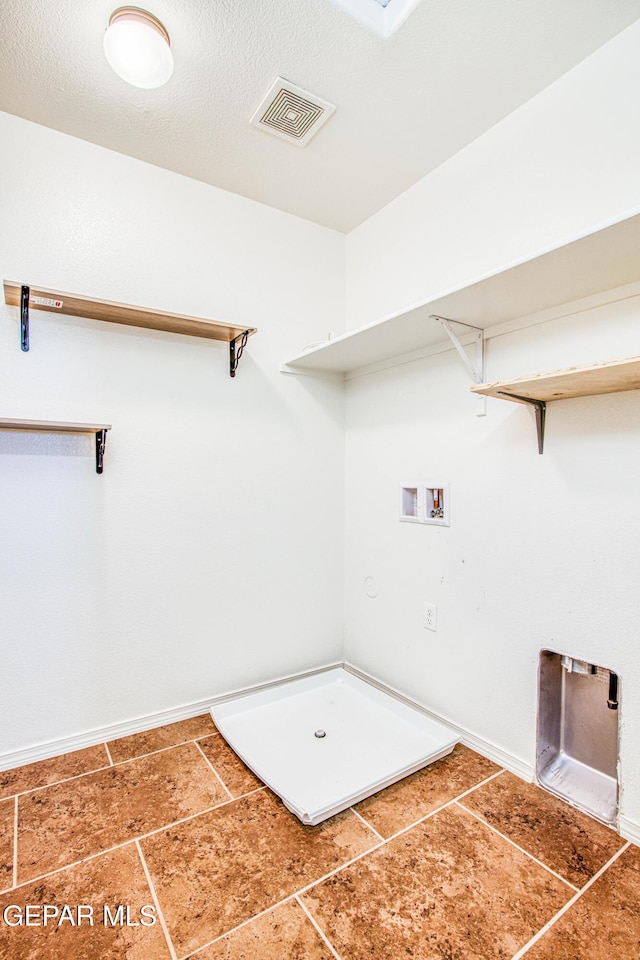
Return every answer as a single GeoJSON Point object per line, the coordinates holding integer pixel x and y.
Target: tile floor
{"type": "Point", "coordinates": [461, 861]}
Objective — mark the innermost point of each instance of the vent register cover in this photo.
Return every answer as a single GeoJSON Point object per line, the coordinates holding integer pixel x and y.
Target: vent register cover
{"type": "Point", "coordinates": [291, 113]}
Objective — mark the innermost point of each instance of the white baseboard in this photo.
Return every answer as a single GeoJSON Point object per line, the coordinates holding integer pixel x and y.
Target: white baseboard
{"type": "Point", "coordinates": [629, 829]}
{"type": "Point", "coordinates": [488, 749]}
{"type": "Point", "coordinates": [90, 738]}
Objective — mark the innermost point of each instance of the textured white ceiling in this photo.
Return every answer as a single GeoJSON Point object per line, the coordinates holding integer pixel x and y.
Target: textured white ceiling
{"type": "Point", "coordinates": [404, 104]}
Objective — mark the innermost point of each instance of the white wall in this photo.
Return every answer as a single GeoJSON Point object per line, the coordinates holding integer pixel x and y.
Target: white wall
{"type": "Point", "coordinates": [557, 168]}
{"type": "Point", "coordinates": [542, 551]}
{"type": "Point", "coordinates": [209, 555]}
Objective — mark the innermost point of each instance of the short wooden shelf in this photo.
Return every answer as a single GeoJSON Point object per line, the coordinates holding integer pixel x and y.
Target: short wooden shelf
{"type": "Point", "coordinates": [73, 305]}
{"type": "Point", "coordinates": [538, 389]}
{"type": "Point", "coordinates": [63, 426]}
{"type": "Point", "coordinates": [52, 426]}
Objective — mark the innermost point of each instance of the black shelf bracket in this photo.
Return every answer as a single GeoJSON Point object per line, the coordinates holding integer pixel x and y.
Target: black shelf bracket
{"type": "Point", "coordinates": [236, 349]}
{"type": "Point", "coordinates": [101, 440]}
{"type": "Point", "coordinates": [24, 318]}
{"type": "Point", "coordinates": [541, 411]}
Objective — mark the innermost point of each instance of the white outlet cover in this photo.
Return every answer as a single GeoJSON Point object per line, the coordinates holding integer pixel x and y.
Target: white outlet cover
{"type": "Point", "coordinates": [431, 617]}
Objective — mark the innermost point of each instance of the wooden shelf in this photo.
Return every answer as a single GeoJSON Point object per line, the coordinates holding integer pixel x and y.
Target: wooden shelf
{"type": "Point", "coordinates": [73, 305]}
{"type": "Point", "coordinates": [63, 426]}
{"type": "Point", "coordinates": [611, 377]}
{"type": "Point", "coordinates": [52, 426]}
{"type": "Point", "coordinates": [589, 265]}
{"type": "Point", "coordinates": [538, 389]}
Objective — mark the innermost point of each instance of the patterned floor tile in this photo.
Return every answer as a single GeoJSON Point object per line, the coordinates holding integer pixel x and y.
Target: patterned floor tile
{"type": "Point", "coordinates": [561, 837]}
{"type": "Point", "coordinates": [414, 797]}
{"type": "Point", "coordinates": [447, 888]}
{"type": "Point", "coordinates": [222, 868]}
{"type": "Point", "coordinates": [39, 774]}
{"type": "Point", "coordinates": [237, 777]}
{"type": "Point", "coordinates": [285, 933]}
{"type": "Point", "coordinates": [603, 923]}
{"type": "Point", "coordinates": [115, 878]}
{"type": "Point", "coordinates": [69, 821]}
{"type": "Point", "coordinates": [139, 744]}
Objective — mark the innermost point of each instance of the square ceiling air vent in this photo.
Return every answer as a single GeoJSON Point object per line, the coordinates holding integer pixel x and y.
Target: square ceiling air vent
{"type": "Point", "coordinates": [291, 113]}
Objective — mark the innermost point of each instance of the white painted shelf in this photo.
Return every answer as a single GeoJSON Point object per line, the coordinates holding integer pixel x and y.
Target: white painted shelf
{"type": "Point", "coordinates": [587, 266]}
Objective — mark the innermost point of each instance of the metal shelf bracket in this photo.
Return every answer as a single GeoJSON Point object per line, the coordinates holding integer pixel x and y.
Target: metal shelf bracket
{"type": "Point", "coordinates": [24, 318]}
{"type": "Point", "coordinates": [474, 364]}
{"type": "Point", "coordinates": [101, 440]}
{"type": "Point", "coordinates": [540, 410]}
{"type": "Point", "coordinates": [236, 349]}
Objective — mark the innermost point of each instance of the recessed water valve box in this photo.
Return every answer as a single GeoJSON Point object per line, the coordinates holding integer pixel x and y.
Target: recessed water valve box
{"type": "Point", "coordinates": [436, 504]}
{"type": "Point", "coordinates": [422, 502]}
{"type": "Point", "coordinates": [410, 502]}
{"type": "Point", "coordinates": [577, 741]}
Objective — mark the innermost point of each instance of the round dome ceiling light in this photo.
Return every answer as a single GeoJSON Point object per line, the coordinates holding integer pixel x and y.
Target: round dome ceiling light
{"type": "Point", "coordinates": [137, 47]}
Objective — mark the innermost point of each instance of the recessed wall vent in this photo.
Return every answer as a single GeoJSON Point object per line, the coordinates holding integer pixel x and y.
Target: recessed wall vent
{"type": "Point", "coordinates": [291, 113]}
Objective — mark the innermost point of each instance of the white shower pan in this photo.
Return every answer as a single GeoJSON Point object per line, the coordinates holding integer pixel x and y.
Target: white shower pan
{"type": "Point", "coordinates": [324, 742]}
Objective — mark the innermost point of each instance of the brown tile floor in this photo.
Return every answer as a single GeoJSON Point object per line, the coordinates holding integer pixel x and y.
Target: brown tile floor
{"type": "Point", "coordinates": [461, 861]}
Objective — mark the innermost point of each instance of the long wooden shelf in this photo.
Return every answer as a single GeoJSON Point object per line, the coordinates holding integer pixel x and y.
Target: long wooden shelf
{"type": "Point", "coordinates": [539, 389]}
{"type": "Point", "coordinates": [63, 426]}
{"type": "Point", "coordinates": [589, 265]}
{"type": "Point", "coordinates": [74, 305]}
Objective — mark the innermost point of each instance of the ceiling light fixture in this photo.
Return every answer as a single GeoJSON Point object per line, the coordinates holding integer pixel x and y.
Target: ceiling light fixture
{"type": "Point", "coordinates": [137, 47]}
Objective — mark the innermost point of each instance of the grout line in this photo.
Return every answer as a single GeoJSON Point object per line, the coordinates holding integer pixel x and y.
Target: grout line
{"type": "Point", "coordinates": [213, 770]}
{"type": "Point", "coordinates": [15, 845]}
{"type": "Point", "coordinates": [249, 793]}
{"type": "Point", "coordinates": [143, 756]}
{"type": "Point", "coordinates": [318, 928]}
{"type": "Point", "coordinates": [342, 866]}
{"type": "Point", "coordinates": [394, 836]}
{"type": "Point", "coordinates": [523, 950]}
{"type": "Point", "coordinates": [291, 896]}
{"type": "Point", "coordinates": [239, 926]}
{"type": "Point", "coordinates": [175, 823]}
{"type": "Point", "coordinates": [142, 836]}
{"type": "Point", "coordinates": [529, 855]}
{"type": "Point", "coordinates": [54, 783]}
{"type": "Point", "coordinates": [106, 746]}
{"type": "Point", "coordinates": [383, 843]}
{"type": "Point", "coordinates": [171, 746]}
{"type": "Point", "coordinates": [163, 922]}
{"type": "Point", "coordinates": [366, 823]}
{"type": "Point", "coordinates": [88, 773]}
{"type": "Point", "coordinates": [465, 793]}
{"type": "Point", "coordinates": [443, 806]}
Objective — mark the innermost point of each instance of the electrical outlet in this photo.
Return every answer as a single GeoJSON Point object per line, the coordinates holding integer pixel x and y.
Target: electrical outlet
{"type": "Point", "coordinates": [430, 621]}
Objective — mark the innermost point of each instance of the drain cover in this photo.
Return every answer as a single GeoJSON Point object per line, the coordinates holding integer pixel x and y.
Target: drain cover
{"type": "Point", "coordinates": [320, 734]}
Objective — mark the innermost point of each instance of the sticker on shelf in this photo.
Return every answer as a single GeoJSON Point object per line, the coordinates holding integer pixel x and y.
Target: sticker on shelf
{"type": "Point", "coordinates": [47, 302]}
